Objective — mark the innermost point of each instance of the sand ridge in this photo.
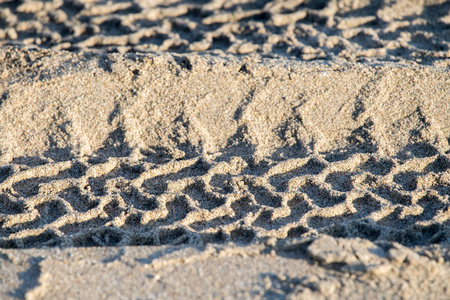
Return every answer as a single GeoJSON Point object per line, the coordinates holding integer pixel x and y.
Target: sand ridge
{"type": "Point", "coordinates": [161, 157]}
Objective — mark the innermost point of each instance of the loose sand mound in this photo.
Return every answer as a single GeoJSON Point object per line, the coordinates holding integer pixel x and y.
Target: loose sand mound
{"type": "Point", "coordinates": [130, 150]}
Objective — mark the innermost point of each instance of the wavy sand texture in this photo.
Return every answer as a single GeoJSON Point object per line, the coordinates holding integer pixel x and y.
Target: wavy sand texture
{"type": "Point", "coordinates": [147, 150]}
{"type": "Point", "coordinates": [366, 30]}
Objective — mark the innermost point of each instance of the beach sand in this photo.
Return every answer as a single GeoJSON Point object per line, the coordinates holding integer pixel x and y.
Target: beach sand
{"type": "Point", "coordinates": [227, 149]}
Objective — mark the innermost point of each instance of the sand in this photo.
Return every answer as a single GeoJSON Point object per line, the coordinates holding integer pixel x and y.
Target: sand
{"type": "Point", "coordinates": [225, 149]}
{"type": "Point", "coordinates": [340, 30]}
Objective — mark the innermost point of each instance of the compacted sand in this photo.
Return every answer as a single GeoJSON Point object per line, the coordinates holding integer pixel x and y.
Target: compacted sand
{"type": "Point", "coordinates": [224, 149]}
